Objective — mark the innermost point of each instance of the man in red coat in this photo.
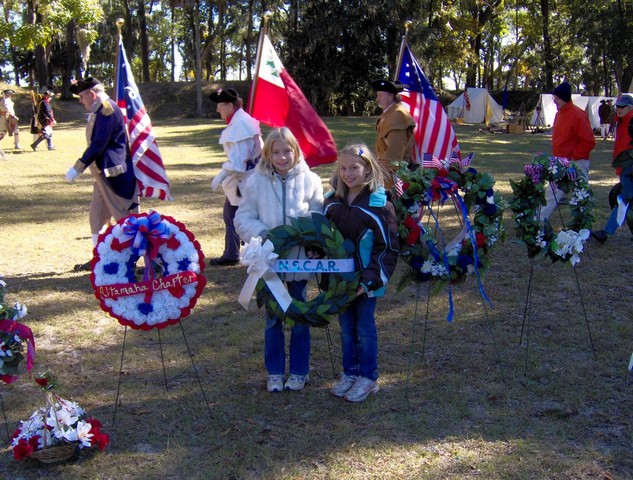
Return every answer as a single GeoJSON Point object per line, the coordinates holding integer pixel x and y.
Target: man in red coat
{"type": "Point", "coordinates": [572, 138]}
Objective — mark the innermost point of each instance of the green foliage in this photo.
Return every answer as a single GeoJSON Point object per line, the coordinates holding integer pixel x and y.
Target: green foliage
{"type": "Point", "coordinates": [431, 257]}
{"type": "Point", "coordinates": [529, 196]}
{"type": "Point", "coordinates": [313, 231]}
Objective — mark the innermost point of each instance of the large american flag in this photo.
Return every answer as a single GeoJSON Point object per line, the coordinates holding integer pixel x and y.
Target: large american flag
{"type": "Point", "coordinates": [148, 162]}
{"type": "Point", "coordinates": [434, 133]}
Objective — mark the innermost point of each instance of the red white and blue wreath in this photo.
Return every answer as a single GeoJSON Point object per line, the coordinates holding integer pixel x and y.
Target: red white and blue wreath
{"type": "Point", "coordinates": [171, 280]}
{"type": "Point", "coordinates": [529, 196]}
{"type": "Point", "coordinates": [432, 257]}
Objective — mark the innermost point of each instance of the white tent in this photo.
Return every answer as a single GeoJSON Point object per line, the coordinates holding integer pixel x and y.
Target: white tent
{"type": "Point", "coordinates": [482, 107]}
{"type": "Point", "coordinates": [545, 110]}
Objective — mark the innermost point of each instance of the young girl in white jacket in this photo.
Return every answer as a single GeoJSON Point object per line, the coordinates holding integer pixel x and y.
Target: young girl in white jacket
{"type": "Point", "coordinates": [281, 187]}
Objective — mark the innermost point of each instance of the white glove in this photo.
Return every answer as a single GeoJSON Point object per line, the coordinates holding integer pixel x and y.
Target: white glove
{"type": "Point", "coordinates": [216, 183]}
{"type": "Point", "coordinates": [71, 175]}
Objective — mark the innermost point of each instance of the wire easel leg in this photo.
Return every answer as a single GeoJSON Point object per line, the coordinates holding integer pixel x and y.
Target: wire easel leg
{"type": "Point", "coordinates": [411, 343]}
{"type": "Point", "coordinates": [584, 311]}
{"type": "Point", "coordinates": [492, 332]}
{"type": "Point", "coordinates": [193, 364]}
{"type": "Point", "coordinates": [413, 332]}
{"type": "Point", "coordinates": [329, 346]}
{"type": "Point", "coordinates": [527, 317]}
{"type": "Point", "coordinates": [162, 359]}
{"type": "Point", "coordinates": [118, 387]}
{"type": "Point", "coordinates": [6, 421]}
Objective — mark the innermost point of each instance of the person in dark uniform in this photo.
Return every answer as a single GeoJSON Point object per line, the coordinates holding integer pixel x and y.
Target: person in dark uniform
{"type": "Point", "coordinates": [115, 192]}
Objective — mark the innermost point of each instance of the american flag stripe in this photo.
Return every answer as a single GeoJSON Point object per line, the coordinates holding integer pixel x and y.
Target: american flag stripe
{"type": "Point", "coordinates": [146, 157]}
{"type": "Point", "coordinates": [434, 133]}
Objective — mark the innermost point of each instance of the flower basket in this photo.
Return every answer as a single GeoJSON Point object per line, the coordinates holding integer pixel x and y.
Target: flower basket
{"type": "Point", "coordinates": [57, 454]}
{"type": "Point", "coordinates": [54, 433]}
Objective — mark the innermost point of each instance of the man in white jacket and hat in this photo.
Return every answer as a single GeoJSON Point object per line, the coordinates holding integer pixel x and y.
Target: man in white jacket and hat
{"type": "Point", "coordinates": [242, 143]}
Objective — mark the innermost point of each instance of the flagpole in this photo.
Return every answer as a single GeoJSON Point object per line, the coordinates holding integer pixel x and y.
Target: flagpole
{"type": "Point", "coordinates": [258, 58]}
{"type": "Point", "coordinates": [119, 25]}
{"type": "Point", "coordinates": [403, 44]}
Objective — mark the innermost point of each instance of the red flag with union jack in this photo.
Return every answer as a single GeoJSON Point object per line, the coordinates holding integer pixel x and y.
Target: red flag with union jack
{"type": "Point", "coordinates": [434, 133]}
{"type": "Point", "coordinates": [148, 162]}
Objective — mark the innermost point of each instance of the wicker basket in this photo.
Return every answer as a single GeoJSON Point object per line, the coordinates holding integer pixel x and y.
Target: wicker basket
{"type": "Point", "coordinates": [56, 454]}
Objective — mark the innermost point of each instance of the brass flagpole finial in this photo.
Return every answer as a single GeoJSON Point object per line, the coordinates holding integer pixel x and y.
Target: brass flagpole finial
{"type": "Point", "coordinates": [407, 26]}
{"type": "Point", "coordinates": [267, 16]}
{"type": "Point", "coordinates": [119, 24]}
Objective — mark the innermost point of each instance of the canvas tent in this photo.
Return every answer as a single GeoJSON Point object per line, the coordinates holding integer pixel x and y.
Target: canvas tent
{"type": "Point", "coordinates": [483, 107]}
{"type": "Point", "coordinates": [545, 110]}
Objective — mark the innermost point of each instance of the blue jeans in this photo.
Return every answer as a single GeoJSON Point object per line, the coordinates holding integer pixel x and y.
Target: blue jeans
{"type": "Point", "coordinates": [359, 338]}
{"type": "Point", "coordinates": [274, 342]}
{"type": "Point", "coordinates": [626, 191]}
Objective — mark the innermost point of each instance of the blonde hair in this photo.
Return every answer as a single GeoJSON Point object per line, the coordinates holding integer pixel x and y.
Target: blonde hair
{"type": "Point", "coordinates": [376, 175]}
{"type": "Point", "coordinates": [278, 134]}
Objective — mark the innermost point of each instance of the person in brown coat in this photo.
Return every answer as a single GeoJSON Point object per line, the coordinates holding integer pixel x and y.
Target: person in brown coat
{"type": "Point", "coordinates": [394, 127]}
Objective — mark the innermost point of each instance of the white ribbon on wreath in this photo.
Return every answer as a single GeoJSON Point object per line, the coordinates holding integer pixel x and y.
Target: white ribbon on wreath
{"type": "Point", "coordinates": [258, 258]}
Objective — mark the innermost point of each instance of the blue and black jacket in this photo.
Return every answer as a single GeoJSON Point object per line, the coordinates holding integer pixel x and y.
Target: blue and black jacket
{"type": "Point", "coordinates": [370, 222]}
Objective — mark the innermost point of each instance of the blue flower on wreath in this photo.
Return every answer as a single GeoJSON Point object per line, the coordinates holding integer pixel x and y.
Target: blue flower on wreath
{"type": "Point", "coordinates": [487, 203]}
{"type": "Point", "coordinates": [145, 308]}
{"type": "Point", "coordinates": [111, 268]}
{"type": "Point", "coordinates": [130, 268]}
{"type": "Point", "coordinates": [416, 264]}
{"type": "Point", "coordinates": [183, 265]}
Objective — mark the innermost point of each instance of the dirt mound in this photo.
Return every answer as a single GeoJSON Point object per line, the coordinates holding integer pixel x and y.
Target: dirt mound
{"type": "Point", "coordinates": [162, 100]}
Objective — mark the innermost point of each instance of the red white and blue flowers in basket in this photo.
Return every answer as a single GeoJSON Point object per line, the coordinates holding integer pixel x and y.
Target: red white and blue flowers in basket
{"type": "Point", "coordinates": [430, 255]}
{"type": "Point", "coordinates": [61, 423]}
{"type": "Point", "coordinates": [529, 196]}
{"type": "Point", "coordinates": [160, 291]}
{"type": "Point", "coordinates": [13, 338]}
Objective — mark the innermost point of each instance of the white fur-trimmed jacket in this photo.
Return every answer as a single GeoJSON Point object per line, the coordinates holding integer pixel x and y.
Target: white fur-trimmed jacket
{"type": "Point", "coordinates": [269, 201]}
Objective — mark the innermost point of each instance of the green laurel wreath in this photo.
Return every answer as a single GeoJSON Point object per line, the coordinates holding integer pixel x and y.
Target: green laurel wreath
{"type": "Point", "coordinates": [529, 195]}
{"type": "Point", "coordinates": [315, 231]}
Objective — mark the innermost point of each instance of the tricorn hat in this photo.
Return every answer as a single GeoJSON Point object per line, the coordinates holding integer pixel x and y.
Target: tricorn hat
{"type": "Point", "coordinates": [8, 91]}
{"type": "Point", "coordinates": [221, 95]}
{"type": "Point", "coordinates": [83, 84]}
{"type": "Point", "coordinates": [387, 86]}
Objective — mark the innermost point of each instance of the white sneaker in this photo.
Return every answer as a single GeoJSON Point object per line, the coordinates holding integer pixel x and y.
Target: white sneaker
{"type": "Point", "coordinates": [275, 383]}
{"type": "Point", "coordinates": [362, 389]}
{"type": "Point", "coordinates": [343, 385]}
{"type": "Point", "coordinates": [296, 382]}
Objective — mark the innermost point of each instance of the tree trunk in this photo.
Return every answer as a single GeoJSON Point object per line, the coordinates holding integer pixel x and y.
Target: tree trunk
{"type": "Point", "coordinates": [69, 66]}
{"type": "Point", "coordinates": [172, 44]}
{"type": "Point", "coordinates": [547, 47]}
{"type": "Point", "coordinates": [196, 16]}
{"type": "Point", "coordinates": [144, 42]}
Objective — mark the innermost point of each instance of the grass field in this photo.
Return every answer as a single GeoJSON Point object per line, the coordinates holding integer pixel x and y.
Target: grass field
{"type": "Point", "coordinates": [465, 400]}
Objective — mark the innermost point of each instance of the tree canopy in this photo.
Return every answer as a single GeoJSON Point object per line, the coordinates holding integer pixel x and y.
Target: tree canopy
{"type": "Point", "coordinates": [330, 47]}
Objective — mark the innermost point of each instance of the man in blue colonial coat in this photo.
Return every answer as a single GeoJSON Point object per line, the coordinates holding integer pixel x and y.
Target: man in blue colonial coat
{"type": "Point", "coordinates": [115, 192]}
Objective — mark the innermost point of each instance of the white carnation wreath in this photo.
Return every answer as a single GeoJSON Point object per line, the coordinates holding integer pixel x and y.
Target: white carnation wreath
{"type": "Point", "coordinates": [172, 279]}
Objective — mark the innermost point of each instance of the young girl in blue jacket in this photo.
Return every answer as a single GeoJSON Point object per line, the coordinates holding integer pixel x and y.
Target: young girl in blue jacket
{"type": "Point", "coordinates": [359, 208]}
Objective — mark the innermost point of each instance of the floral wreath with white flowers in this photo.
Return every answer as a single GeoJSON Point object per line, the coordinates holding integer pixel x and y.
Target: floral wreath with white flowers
{"type": "Point", "coordinates": [13, 337]}
{"type": "Point", "coordinates": [171, 280]}
{"type": "Point", "coordinates": [441, 262]}
{"type": "Point", "coordinates": [529, 196]}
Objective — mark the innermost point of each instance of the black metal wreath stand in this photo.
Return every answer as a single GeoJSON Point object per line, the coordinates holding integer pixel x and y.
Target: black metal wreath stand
{"type": "Point", "coordinates": [527, 310]}
{"type": "Point", "coordinates": [426, 322]}
{"type": "Point", "coordinates": [193, 364]}
{"type": "Point", "coordinates": [6, 421]}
